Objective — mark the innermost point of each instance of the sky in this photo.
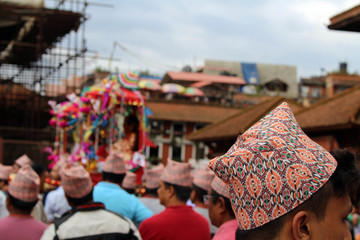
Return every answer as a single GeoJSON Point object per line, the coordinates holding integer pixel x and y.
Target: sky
{"type": "Point", "coordinates": [160, 35]}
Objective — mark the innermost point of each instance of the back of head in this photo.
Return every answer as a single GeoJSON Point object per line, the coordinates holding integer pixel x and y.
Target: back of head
{"type": "Point", "coordinates": [77, 184]}
{"type": "Point", "coordinates": [344, 181]}
{"type": "Point", "coordinates": [113, 169]}
{"type": "Point", "coordinates": [129, 182]}
{"type": "Point", "coordinates": [272, 169]}
{"type": "Point", "coordinates": [201, 183]}
{"type": "Point", "coordinates": [24, 188]}
{"type": "Point", "coordinates": [152, 176]}
{"type": "Point", "coordinates": [177, 174]}
{"type": "Point", "coordinates": [220, 189]}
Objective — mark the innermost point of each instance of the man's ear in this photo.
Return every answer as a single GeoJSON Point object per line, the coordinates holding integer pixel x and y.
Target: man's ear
{"type": "Point", "coordinates": [8, 203]}
{"type": "Point", "coordinates": [221, 204]}
{"type": "Point", "coordinates": [170, 191]}
{"type": "Point", "coordinates": [192, 196]}
{"type": "Point", "coordinates": [302, 225]}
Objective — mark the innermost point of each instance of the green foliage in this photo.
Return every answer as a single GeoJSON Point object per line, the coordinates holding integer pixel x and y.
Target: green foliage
{"type": "Point", "coordinates": [100, 69]}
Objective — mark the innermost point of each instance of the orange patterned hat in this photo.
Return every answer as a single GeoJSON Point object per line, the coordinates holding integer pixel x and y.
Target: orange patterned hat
{"type": "Point", "coordinates": [129, 181]}
{"type": "Point", "coordinates": [272, 168]}
{"type": "Point", "coordinates": [203, 178]}
{"type": "Point", "coordinates": [152, 176]}
{"type": "Point", "coordinates": [75, 180]}
{"type": "Point", "coordinates": [5, 171]}
{"type": "Point", "coordinates": [23, 160]}
{"type": "Point", "coordinates": [220, 187]}
{"type": "Point", "coordinates": [177, 173]}
{"type": "Point", "coordinates": [25, 185]}
{"type": "Point", "coordinates": [114, 163]}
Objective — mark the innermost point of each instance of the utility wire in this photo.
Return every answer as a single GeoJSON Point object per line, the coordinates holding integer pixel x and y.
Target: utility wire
{"type": "Point", "coordinates": [146, 60]}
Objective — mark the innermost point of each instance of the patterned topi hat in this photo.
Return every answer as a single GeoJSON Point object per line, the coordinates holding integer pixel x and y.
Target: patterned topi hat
{"type": "Point", "coordinates": [129, 181]}
{"type": "Point", "coordinates": [272, 168]}
{"type": "Point", "coordinates": [220, 187]}
{"type": "Point", "coordinates": [114, 163]}
{"type": "Point", "coordinates": [25, 185]}
{"type": "Point", "coordinates": [203, 178]}
{"type": "Point", "coordinates": [23, 160]}
{"type": "Point", "coordinates": [177, 173]}
{"type": "Point", "coordinates": [75, 180]}
{"type": "Point", "coordinates": [5, 171]}
{"type": "Point", "coordinates": [152, 176]}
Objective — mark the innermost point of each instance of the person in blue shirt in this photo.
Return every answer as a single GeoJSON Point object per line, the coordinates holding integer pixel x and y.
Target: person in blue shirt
{"type": "Point", "coordinates": [116, 199]}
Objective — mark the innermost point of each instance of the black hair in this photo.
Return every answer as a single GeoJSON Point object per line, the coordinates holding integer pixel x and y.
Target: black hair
{"type": "Point", "coordinates": [129, 190]}
{"type": "Point", "coordinates": [215, 198]}
{"type": "Point", "coordinates": [199, 192]}
{"type": "Point", "coordinates": [22, 205]}
{"type": "Point", "coordinates": [182, 193]}
{"type": "Point", "coordinates": [152, 191]}
{"type": "Point", "coordinates": [342, 182]}
{"type": "Point", "coordinates": [6, 181]}
{"type": "Point", "coordinates": [80, 201]}
{"type": "Point", "coordinates": [113, 177]}
{"type": "Point", "coordinates": [38, 168]}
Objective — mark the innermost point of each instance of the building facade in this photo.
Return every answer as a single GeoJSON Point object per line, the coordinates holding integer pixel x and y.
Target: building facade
{"type": "Point", "coordinates": [273, 79]}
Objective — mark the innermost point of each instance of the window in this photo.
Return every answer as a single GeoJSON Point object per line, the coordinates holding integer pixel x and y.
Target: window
{"type": "Point", "coordinates": [315, 92]}
{"type": "Point", "coordinates": [200, 151]}
{"type": "Point", "coordinates": [155, 127]}
{"type": "Point", "coordinates": [154, 155]}
{"type": "Point", "coordinates": [178, 129]}
{"type": "Point", "coordinates": [199, 126]}
{"type": "Point", "coordinates": [176, 153]}
{"type": "Point", "coordinates": [305, 91]}
{"type": "Point", "coordinates": [154, 152]}
{"type": "Point", "coordinates": [177, 141]}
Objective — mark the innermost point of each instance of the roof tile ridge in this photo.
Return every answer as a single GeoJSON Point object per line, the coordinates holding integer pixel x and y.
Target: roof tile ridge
{"type": "Point", "coordinates": [277, 100]}
{"type": "Point", "coordinates": [330, 99]}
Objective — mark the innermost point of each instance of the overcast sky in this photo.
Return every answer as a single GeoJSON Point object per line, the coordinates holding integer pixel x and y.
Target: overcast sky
{"type": "Point", "coordinates": [163, 35]}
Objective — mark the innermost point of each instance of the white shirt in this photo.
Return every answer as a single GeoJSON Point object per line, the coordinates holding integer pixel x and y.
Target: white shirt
{"type": "Point", "coordinates": [3, 210]}
{"type": "Point", "coordinates": [153, 204]}
{"type": "Point", "coordinates": [56, 204]}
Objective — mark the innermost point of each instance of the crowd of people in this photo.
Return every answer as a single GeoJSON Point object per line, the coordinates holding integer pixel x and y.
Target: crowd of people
{"type": "Point", "coordinates": [273, 183]}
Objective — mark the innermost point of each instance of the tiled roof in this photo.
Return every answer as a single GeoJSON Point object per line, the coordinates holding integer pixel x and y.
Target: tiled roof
{"type": "Point", "coordinates": [182, 112]}
{"type": "Point", "coordinates": [347, 20]}
{"type": "Point", "coordinates": [200, 84]}
{"type": "Point", "coordinates": [196, 77]}
{"type": "Point", "coordinates": [337, 112]}
{"type": "Point", "coordinates": [238, 123]}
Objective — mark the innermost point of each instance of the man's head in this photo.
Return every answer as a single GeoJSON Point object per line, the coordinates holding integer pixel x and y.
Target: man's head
{"type": "Point", "coordinates": [201, 184]}
{"type": "Point", "coordinates": [114, 169]}
{"type": "Point", "coordinates": [129, 183]}
{"type": "Point", "coordinates": [77, 184]}
{"type": "Point", "coordinates": [175, 184]}
{"type": "Point", "coordinates": [273, 169]}
{"type": "Point", "coordinates": [219, 206]}
{"type": "Point", "coordinates": [172, 194]}
{"type": "Point", "coordinates": [152, 178]}
{"type": "Point", "coordinates": [23, 191]}
{"type": "Point", "coordinates": [324, 213]}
